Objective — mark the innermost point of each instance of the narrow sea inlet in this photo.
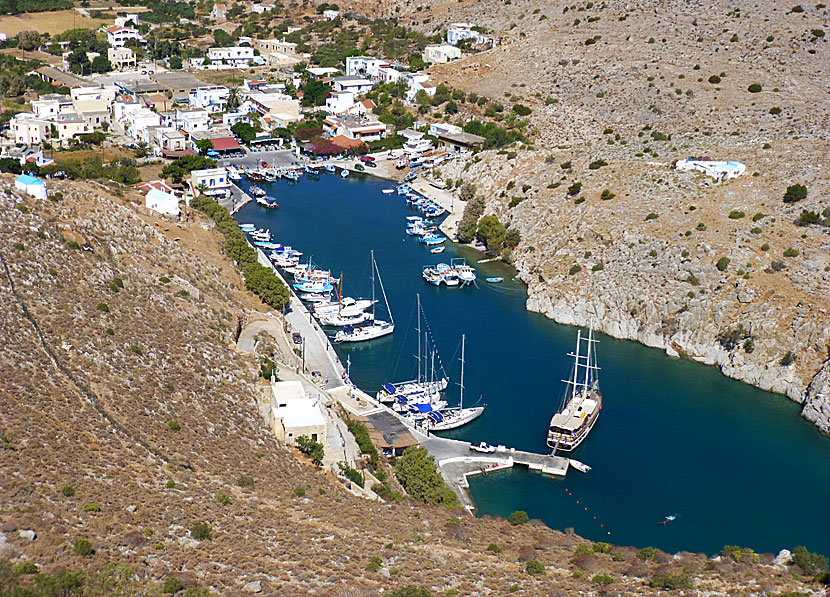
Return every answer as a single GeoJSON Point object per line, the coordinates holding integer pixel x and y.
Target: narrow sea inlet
{"type": "Point", "coordinates": [734, 464]}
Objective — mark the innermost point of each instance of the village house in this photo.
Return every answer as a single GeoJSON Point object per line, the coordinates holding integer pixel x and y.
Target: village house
{"type": "Point", "coordinates": [356, 85]}
{"type": "Point", "coordinates": [121, 58]}
{"type": "Point", "coordinates": [170, 142]}
{"type": "Point", "coordinates": [94, 111]}
{"type": "Point", "coordinates": [237, 56]}
{"type": "Point", "coordinates": [28, 129]}
{"type": "Point", "coordinates": [51, 105]}
{"type": "Point", "coordinates": [213, 98]}
{"type": "Point", "coordinates": [129, 18]}
{"type": "Point", "coordinates": [178, 86]}
{"type": "Point", "coordinates": [94, 92]}
{"type": "Point", "coordinates": [459, 32]}
{"type": "Point", "coordinates": [218, 12]}
{"type": "Point", "coordinates": [294, 413]}
{"type": "Point", "coordinates": [27, 154]}
{"type": "Point", "coordinates": [320, 72]}
{"type": "Point", "coordinates": [365, 66]}
{"type": "Point", "coordinates": [339, 102]}
{"type": "Point", "coordinates": [418, 82]}
{"type": "Point", "coordinates": [279, 107]}
{"type": "Point", "coordinates": [160, 197]}
{"type": "Point", "coordinates": [281, 60]}
{"type": "Point", "coordinates": [275, 45]}
{"type": "Point", "coordinates": [331, 14]}
{"type": "Point", "coordinates": [361, 128]}
{"type": "Point", "coordinates": [441, 54]}
{"type": "Point", "coordinates": [213, 182]}
{"type": "Point", "coordinates": [261, 8]}
{"type": "Point", "coordinates": [119, 36]}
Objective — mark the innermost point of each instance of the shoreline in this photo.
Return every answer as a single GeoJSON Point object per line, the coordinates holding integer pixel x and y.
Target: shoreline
{"type": "Point", "coordinates": [795, 390]}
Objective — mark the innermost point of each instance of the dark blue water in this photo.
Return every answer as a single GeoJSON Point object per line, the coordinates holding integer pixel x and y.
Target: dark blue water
{"type": "Point", "coordinates": [735, 465]}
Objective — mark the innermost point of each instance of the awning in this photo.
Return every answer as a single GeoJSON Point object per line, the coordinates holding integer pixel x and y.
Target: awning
{"type": "Point", "coordinates": [389, 388]}
{"type": "Point", "coordinates": [224, 143]}
{"type": "Point", "coordinates": [423, 408]}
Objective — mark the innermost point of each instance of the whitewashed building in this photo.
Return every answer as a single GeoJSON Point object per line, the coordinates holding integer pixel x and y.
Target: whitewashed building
{"type": "Point", "coordinates": [441, 54]}
{"type": "Point", "coordinates": [294, 413]}
{"type": "Point", "coordinates": [30, 185]}
{"type": "Point", "coordinates": [214, 181]}
{"type": "Point", "coordinates": [356, 85]}
{"type": "Point", "coordinates": [364, 66]}
{"type": "Point", "coordinates": [119, 36]}
{"type": "Point", "coordinates": [212, 99]}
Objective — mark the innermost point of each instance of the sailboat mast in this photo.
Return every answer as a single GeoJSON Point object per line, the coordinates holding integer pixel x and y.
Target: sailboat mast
{"type": "Point", "coordinates": [372, 253]}
{"type": "Point", "coordinates": [588, 361]}
{"type": "Point", "coordinates": [461, 397]}
{"type": "Point", "coordinates": [385, 300]}
{"type": "Point", "coordinates": [418, 295]}
{"type": "Point", "coordinates": [576, 362]}
{"type": "Point", "coordinates": [340, 294]}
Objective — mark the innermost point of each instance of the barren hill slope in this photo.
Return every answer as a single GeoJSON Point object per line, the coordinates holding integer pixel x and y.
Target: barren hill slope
{"type": "Point", "coordinates": [95, 372]}
{"type": "Point", "coordinates": [619, 92]}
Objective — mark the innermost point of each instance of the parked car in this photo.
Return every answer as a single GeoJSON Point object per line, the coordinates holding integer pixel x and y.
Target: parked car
{"type": "Point", "coordinates": [482, 447]}
{"type": "Point", "coordinates": [366, 159]}
{"type": "Point", "coordinates": [371, 164]}
{"type": "Point", "coordinates": [297, 338]}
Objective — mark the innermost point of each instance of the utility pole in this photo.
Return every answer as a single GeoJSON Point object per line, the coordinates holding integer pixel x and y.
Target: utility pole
{"type": "Point", "coordinates": [303, 355]}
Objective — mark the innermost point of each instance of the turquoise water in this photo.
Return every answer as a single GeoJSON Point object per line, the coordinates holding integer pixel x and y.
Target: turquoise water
{"type": "Point", "coordinates": [735, 465]}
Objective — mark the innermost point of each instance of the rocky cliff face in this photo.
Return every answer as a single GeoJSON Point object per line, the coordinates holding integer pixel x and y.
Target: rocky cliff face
{"type": "Point", "coordinates": [761, 320]}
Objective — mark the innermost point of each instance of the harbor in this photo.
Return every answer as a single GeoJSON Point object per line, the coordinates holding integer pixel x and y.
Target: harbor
{"type": "Point", "coordinates": [655, 409]}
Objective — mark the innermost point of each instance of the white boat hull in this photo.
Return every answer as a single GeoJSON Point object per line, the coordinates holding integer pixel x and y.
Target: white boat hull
{"type": "Point", "coordinates": [369, 332]}
{"type": "Point", "coordinates": [455, 418]}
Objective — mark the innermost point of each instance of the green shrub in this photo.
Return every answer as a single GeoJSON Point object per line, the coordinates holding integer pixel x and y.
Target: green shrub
{"type": "Point", "coordinates": [788, 359]}
{"type": "Point", "coordinates": [246, 482]}
{"type": "Point", "coordinates": [754, 88]}
{"type": "Point", "coordinates": [91, 507]}
{"type": "Point", "coordinates": [575, 269]}
{"type": "Point", "coordinates": [574, 189]}
{"type": "Point", "coordinates": [597, 164]}
{"type": "Point", "coordinates": [795, 193]}
{"type": "Point", "coordinates": [565, 165]}
{"type": "Point", "coordinates": [602, 579]}
{"type": "Point", "coordinates": [68, 491]}
{"type": "Point", "coordinates": [808, 217]}
{"type": "Point", "coordinates": [82, 548]}
{"type": "Point", "coordinates": [646, 553]}
{"type": "Point", "coordinates": [606, 195]}
{"type": "Point", "coordinates": [672, 582]}
{"type": "Point", "coordinates": [109, 332]}
{"type": "Point", "coordinates": [136, 349]}
{"type": "Point", "coordinates": [714, 79]}
{"type": "Point", "coordinates": [618, 557]}
{"type": "Point", "coordinates": [811, 563]}
{"type": "Point", "coordinates": [775, 111]}
{"type": "Point", "coordinates": [103, 307]}
{"type": "Point", "coordinates": [598, 267]}
{"type": "Point", "coordinates": [364, 442]}
{"type": "Point", "coordinates": [24, 568]}
{"type": "Point", "coordinates": [581, 549]}
{"type": "Point", "coordinates": [21, 208]}
{"type": "Point", "coordinates": [791, 252]}
{"type": "Point", "coordinates": [518, 517]}
{"type": "Point", "coordinates": [174, 426]}
{"type": "Point", "coordinates": [765, 247]}
{"type": "Point", "coordinates": [514, 588]}
{"type": "Point", "coordinates": [71, 244]}
{"type": "Point", "coordinates": [171, 586]}
{"type": "Point", "coordinates": [375, 564]}
{"type": "Point", "coordinates": [223, 498]}
{"type": "Point", "coordinates": [651, 216]}
{"type": "Point", "coordinates": [19, 246]}
{"type": "Point", "coordinates": [722, 264]}
{"type": "Point", "coordinates": [410, 591]}
{"type": "Point", "coordinates": [515, 201]}
{"type": "Point", "coordinates": [535, 567]}
{"type": "Point", "coordinates": [312, 449]}
{"type": "Point", "coordinates": [170, 484]}
{"type": "Point", "coordinates": [201, 531]}
{"type": "Point", "coordinates": [493, 548]}
{"type": "Point", "coordinates": [736, 214]}
{"type": "Point", "coordinates": [417, 473]}
{"type": "Point", "coordinates": [600, 547]}
{"type": "Point", "coordinates": [352, 474]}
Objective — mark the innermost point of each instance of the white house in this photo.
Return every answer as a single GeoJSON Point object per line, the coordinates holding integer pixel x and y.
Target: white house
{"type": "Point", "coordinates": [237, 56]}
{"type": "Point", "coordinates": [51, 105]}
{"type": "Point", "coordinates": [361, 128]}
{"type": "Point", "coordinates": [441, 54]}
{"type": "Point", "coordinates": [418, 82]}
{"type": "Point", "coordinates": [319, 72]}
{"type": "Point", "coordinates": [387, 74]}
{"type": "Point", "coordinates": [331, 14]}
{"type": "Point", "coordinates": [164, 203]}
{"type": "Point", "coordinates": [294, 413]}
{"type": "Point", "coordinates": [119, 36]}
{"type": "Point", "coordinates": [279, 107]}
{"type": "Point", "coordinates": [339, 102]}
{"type": "Point", "coordinates": [192, 120]}
{"type": "Point", "coordinates": [213, 98]}
{"type": "Point", "coordinates": [356, 85]}
{"type": "Point", "coordinates": [218, 12]}
{"type": "Point", "coordinates": [31, 186]}
{"type": "Point", "coordinates": [261, 8]}
{"type": "Point", "coordinates": [458, 32]}
{"type": "Point", "coordinates": [364, 66]}
{"type": "Point", "coordinates": [95, 92]}
{"type": "Point", "coordinates": [215, 181]}
{"type": "Point", "coordinates": [717, 170]}
{"type": "Point", "coordinates": [122, 21]}
{"type": "Point", "coordinates": [136, 118]}
{"type": "Point", "coordinates": [275, 45]}
{"type": "Point", "coordinates": [94, 111]}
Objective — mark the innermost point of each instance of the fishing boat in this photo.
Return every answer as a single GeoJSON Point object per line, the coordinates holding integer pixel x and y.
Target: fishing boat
{"type": "Point", "coordinates": [452, 418]}
{"type": "Point", "coordinates": [437, 250]}
{"type": "Point", "coordinates": [233, 173]}
{"type": "Point", "coordinates": [352, 314]}
{"type": "Point", "coordinates": [411, 176]}
{"type": "Point", "coordinates": [494, 280]}
{"type": "Point", "coordinates": [247, 227]}
{"type": "Point", "coordinates": [344, 173]}
{"type": "Point", "coordinates": [313, 286]}
{"type": "Point", "coordinates": [266, 202]}
{"type": "Point", "coordinates": [466, 274]}
{"type": "Point", "coordinates": [388, 191]}
{"type": "Point", "coordinates": [431, 275]}
{"type": "Point", "coordinates": [429, 380]}
{"type": "Point", "coordinates": [580, 466]}
{"type": "Point", "coordinates": [314, 297]}
{"type": "Point", "coordinates": [447, 274]}
{"type": "Point", "coordinates": [330, 168]}
{"type": "Point", "coordinates": [434, 239]}
{"type": "Point", "coordinates": [256, 191]}
{"type": "Point", "coordinates": [346, 305]}
{"type": "Point", "coordinates": [378, 328]}
{"type": "Point", "coordinates": [582, 402]}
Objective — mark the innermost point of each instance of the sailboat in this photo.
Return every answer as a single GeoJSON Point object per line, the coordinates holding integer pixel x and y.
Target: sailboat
{"type": "Point", "coordinates": [452, 418]}
{"type": "Point", "coordinates": [582, 405]}
{"type": "Point", "coordinates": [431, 386]}
{"type": "Point", "coordinates": [378, 328]}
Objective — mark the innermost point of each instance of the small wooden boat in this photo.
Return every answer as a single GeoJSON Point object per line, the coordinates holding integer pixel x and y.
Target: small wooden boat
{"type": "Point", "coordinates": [495, 280]}
{"type": "Point", "coordinates": [437, 250]}
{"type": "Point", "coordinates": [344, 173]}
{"type": "Point", "coordinates": [388, 191]}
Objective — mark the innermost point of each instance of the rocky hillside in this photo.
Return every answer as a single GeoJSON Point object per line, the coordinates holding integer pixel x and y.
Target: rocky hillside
{"type": "Point", "coordinates": [128, 418]}
{"type": "Point", "coordinates": [618, 93]}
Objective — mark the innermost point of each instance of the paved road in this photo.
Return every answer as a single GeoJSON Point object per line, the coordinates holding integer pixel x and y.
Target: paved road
{"type": "Point", "coordinates": [278, 158]}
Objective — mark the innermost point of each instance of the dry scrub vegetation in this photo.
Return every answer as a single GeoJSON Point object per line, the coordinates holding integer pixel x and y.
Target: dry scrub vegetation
{"type": "Point", "coordinates": [129, 421]}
